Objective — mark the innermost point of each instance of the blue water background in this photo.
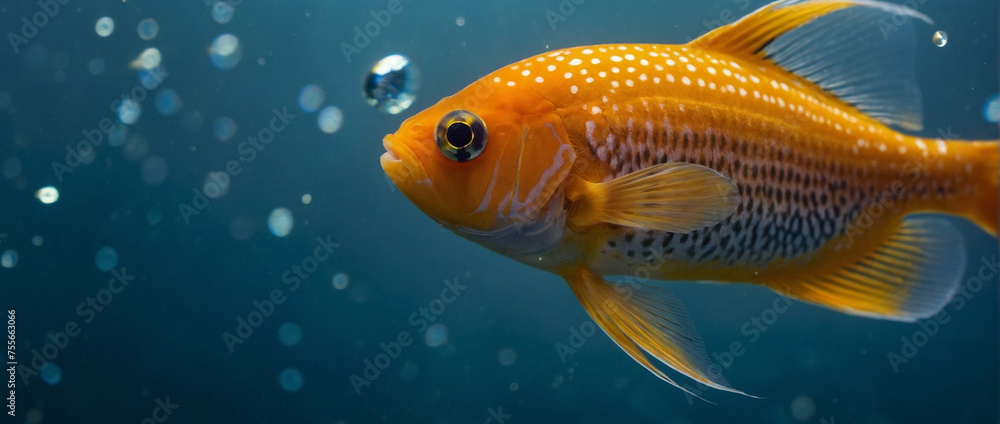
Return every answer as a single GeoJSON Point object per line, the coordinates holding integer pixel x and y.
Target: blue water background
{"type": "Point", "coordinates": [162, 336]}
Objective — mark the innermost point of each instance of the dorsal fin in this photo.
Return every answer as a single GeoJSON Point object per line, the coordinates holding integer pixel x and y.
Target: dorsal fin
{"type": "Point", "coordinates": [846, 47]}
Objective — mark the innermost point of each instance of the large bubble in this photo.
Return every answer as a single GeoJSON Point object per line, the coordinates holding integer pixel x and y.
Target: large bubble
{"type": "Point", "coordinates": [225, 51]}
{"type": "Point", "coordinates": [392, 84]}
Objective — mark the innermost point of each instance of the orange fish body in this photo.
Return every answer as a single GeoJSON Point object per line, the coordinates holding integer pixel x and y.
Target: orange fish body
{"type": "Point", "coordinates": [734, 158]}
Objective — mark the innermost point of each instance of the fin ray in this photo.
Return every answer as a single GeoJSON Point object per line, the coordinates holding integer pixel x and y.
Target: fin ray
{"type": "Point", "coordinates": [675, 197]}
{"type": "Point", "coordinates": [648, 320]}
{"type": "Point", "coordinates": [907, 275]}
{"type": "Point", "coordinates": [852, 49]}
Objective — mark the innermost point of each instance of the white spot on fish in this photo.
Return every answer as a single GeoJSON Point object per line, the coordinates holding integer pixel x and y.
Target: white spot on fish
{"type": "Point", "coordinates": [496, 80]}
{"type": "Point", "coordinates": [595, 110]}
{"type": "Point", "coordinates": [551, 68]}
{"type": "Point", "coordinates": [670, 78]}
{"type": "Point", "coordinates": [568, 75]}
{"type": "Point", "coordinates": [510, 83]}
{"type": "Point", "coordinates": [539, 80]}
{"type": "Point", "coordinates": [587, 51]}
{"type": "Point", "coordinates": [670, 62]}
{"type": "Point", "coordinates": [942, 148]}
{"type": "Point", "coordinates": [616, 58]}
{"type": "Point", "coordinates": [686, 80]}
{"type": "Point", "coordinates": [525, 73]}
{"type": "Point", "coordinates": [691, 67]}
{"type": "Point", "coordinates": [595, 61]}
{"type": "Point", "coordinates": [575, 62]}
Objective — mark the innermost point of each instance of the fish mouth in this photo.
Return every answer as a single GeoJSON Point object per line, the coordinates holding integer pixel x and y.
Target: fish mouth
{"type": "Point", "coordinates": [396, 159]}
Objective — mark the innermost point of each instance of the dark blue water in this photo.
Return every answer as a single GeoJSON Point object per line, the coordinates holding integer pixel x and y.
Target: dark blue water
{"type": "Point", "coordinates": [205, 327]}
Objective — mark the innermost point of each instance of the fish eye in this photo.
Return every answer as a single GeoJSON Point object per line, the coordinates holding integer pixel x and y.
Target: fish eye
{"type": "Point", "coordinates": [461, 135]}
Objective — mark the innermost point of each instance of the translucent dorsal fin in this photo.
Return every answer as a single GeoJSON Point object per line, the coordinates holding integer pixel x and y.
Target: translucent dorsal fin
{"type": "Point", "coordinates": [860, 51]}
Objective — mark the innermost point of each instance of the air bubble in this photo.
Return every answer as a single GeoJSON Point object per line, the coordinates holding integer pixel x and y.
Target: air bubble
{"type": "Point", "coordinates": [280, 222]}
{"type": "Point", "coordinates": [392, 84]}
{"type": "Point", "coordinates": [104, 26]}
{"type": "Point", "coordinates": [148, 28]}
{"type": "Point", "coordinates": [940, 38]}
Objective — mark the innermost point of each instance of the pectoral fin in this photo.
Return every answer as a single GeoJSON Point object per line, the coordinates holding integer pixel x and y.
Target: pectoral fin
{"type": "Point", "coordinates": [674, 197]}
{"type": "Point", "coordinates": [651, 320]}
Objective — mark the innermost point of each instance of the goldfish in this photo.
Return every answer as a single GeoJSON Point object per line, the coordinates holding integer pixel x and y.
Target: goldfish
{"type": "Point", "coordinates": [771, 151]}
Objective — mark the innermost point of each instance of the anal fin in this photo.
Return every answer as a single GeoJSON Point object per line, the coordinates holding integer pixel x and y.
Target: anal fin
{"type": "Point", "coordinates": [907, 274]}
{"type": "Point", "coordinates": [647, 320]}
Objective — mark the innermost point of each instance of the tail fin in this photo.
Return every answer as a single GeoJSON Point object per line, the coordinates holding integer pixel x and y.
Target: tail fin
{"type": "Point", "coordinates": [986, 161]}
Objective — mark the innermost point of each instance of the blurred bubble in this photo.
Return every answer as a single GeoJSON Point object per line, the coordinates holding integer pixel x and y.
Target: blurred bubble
{"type": "Point", "coordinates": [940, 38]}
{"type": "Point", "coordinates": [409, 371]}
{"type": "Point", "coordinates": [104, 26]}
{"type": "Point", "coordinates": [991, 109]}
{"type": "Point", "coordinates": [153, 216]}
{"type": "Point", "coordinates": [290, 334]}
{"type": "Point", "coordinates": [460, 21]}
{"type": "Point", "coordinates": [224, 128]}
{"type": "Point", "coordinates": [340, 281]}
{"type": "Point", "coordinates": [803, 408]}
{"type": "Point", "coordinates": [106, 258]}
{"type": "Point", "coordinates": [150, 79]}
{"type": "Point", "coordinates": [222, 12]}
{"type": "Point", "coordinates": [96, 66]}
{"type": "Point", "coordinates": [9, 258]}
{"type": "Point", "coordinates": [51, 373]}
{"type": "Point", "coordinates": [225, 51]}
{"type": "Point", "coordinates": [37, 240]}
{"type": "Point", "coordinates": [280, 222]}
{"type": "Point", "coordinates": [311, 98]}
{"type": "Point", "coordinates": [306, 199]}
{"type": "Point", "coordinates": [129, 111]}
{"type": "Point", "coordinates": [168, 102]}
{"type": "Point", "coordinates": [291, 380]}
{"type": "Point", "coordinates": [34, 416]}
{"type": "Point", "coordinates": [192, 121]}
{"type": "Point", "coordinates": [36, 55]}
{"type": "Point", "coordinates": [11, 167]}
{"type": "Point", "coordinates": [47, 194]}
{"type": "Point", "coordinates": [507, 357]}
{"type": "Point", "coordinates": [117, 136]}
{"type": "Point", "coordinates": [242, 228]}
{"type": "Point", "coordinates": [148, 59]}
{"type": "Point", "coordinates": [148, 28]}
{"type": "Point", "coordinates": [330, 119]}
{"type": "Point", "coordinates": [135, 148]}
{"type": "Point", "coordinates": [514, 387]}
{"type": "Point", "coordinates": [216, 184]}
{"type": "Point", "coordinates": [5, 99]}
{"type": "Point", "coordinates": [392, 84]}
{"type": "Point", "coordinates": [154, 170]}
{"type": "Point", "coordinates": [436, 335]}
{"type": "Point", "coordinates": [557, 381]}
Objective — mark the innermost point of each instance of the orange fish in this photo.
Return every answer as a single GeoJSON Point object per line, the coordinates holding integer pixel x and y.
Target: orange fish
{"type": "Point", "coordinates": [758, 153]}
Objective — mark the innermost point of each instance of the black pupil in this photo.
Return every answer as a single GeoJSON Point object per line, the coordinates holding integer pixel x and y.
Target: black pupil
{"type": "Point", "coordinates": [459, 134]}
